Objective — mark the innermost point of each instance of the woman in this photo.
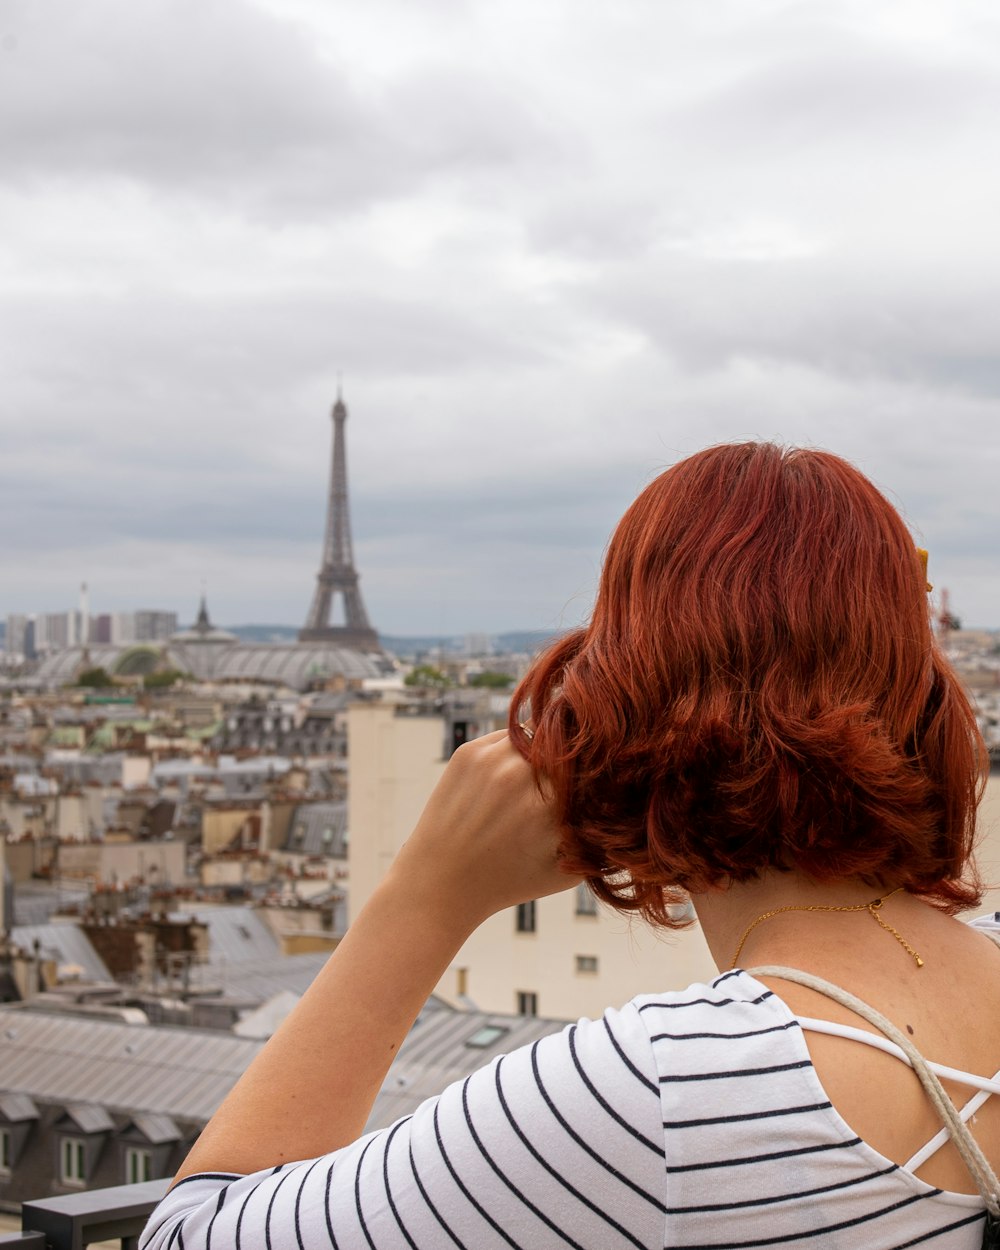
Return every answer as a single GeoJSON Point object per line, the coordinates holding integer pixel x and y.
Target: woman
{"type": "Point", "coordinates": [757, 718]}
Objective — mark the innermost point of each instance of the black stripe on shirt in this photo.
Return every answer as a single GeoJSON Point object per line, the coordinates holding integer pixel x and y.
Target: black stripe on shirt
{"type": "Point", "coordinates": [708, 1002]}
{"type": "Point", "coordinates": [326, 1206]}
{"type": "Point", "coordinates": [657, 1148]}
{"type": "Point", "coordinates": [916, 1241]}
{"type": "Point", "coordinates": [764, 1158]}
{"type": "Point", "coordinates": [458, 1180]}
{"type": "Point", "coordinates": [776, 1199]}
{"type": "Point", "coordinates": [357, 1193]}
{"type": "Point", "coordinates": [218, 1207]}
{"type": "Point", "coordinates": [536, 1155]}
{"type": "Point", "coordinates": [723, 1037]}
{"type": "Point", "coordinates": [239, 1218]}
{"type": "Point", "coordinates": [581, 1142]}
{"type": "Point", "coordinates": [298, 1206]}
{"type": "Point", "coordinates": [733, 972]}
{"type": "Point", "coordinates": [813, 1232]}
{"type": "Point", "coordinates": [427, 1198]}
{"type": "Point", "coordinates": [722, 1076]}
{"type": "Point", "coordinates": [522, 1198]}
{"type": "Point", "coordinates": [270, 1208]}
{"type": "Point", "coordinates": [748, 1115]}
{"type": "Point", "coordinates": [385, 1181]}
{"type": "Point", "coordinates": [627, 1061]}
{"type": "Point", "coordinates": [207, 1176]}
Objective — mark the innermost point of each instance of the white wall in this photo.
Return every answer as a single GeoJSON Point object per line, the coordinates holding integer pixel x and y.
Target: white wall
{"type": "Point", "coordinates": [989, 845]}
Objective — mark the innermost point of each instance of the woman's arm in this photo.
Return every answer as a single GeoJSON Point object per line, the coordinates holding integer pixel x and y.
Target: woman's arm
{"type": "Point", "coordinates": [485, 841]}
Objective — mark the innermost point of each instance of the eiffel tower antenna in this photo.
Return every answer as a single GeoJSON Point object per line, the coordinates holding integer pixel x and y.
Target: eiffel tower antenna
{"type": "Point", "coordinates": [337, 574]}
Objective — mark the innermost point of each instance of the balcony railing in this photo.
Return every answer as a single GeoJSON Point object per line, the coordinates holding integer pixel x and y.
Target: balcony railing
{"type": "Point", "coordinates": [74, 1221]}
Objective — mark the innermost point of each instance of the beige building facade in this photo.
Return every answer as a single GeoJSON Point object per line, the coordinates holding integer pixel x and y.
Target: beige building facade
{"type": "Point", "coordinates": [563, 956]}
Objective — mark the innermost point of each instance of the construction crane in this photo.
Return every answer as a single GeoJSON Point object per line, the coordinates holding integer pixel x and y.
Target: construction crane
{"type": "Point", "coordinates": [946, 621]}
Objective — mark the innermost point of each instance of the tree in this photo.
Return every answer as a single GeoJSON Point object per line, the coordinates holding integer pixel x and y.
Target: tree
{"type": "Point", "coordinates": [427, 675]}
{"type": "Point", "coordinates": [491, 681]}
{"type": "Point", "coordinates": [95, 677]}
{"type": "Point", "coordinates": [159, 681]}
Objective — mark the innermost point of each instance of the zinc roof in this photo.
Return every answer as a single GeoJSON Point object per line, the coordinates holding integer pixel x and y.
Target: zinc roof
{"type": "Point", "coordinates": [236, 935]}
{"type": "Point", "coordinates": [17, 1107]}
{"type": "Point", "coordinates": [156, 1128]}
{"type": "Point", "coordinates": [173, 1072]}
{"type": "Point", "coordinates": [260, 980]}
{"type": "Point", "coordinates": [66, 942]}
{"type": "Point", "coordinates": [318, 829]}
{"type": "Point", "coordinates": [90, 1119]}
{"type": "Point", "coordinates": [96, 1067]}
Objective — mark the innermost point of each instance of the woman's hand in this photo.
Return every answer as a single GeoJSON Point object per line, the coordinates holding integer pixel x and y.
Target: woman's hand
{"type": "Point", "coordinates": [487, 839]}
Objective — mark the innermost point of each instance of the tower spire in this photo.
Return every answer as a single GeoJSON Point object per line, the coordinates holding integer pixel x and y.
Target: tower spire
{"type": "Point", "coordinates": [337, 574]}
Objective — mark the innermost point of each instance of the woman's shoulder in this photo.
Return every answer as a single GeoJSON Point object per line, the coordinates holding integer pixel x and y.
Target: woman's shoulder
{"type": "Point", "coordinates": [730, 995]}
{"type": "Point", "coordinates": [732, 1020]}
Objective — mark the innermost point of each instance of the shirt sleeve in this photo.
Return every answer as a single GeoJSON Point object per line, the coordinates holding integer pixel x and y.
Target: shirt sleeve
{"type": "Point", "coordinates": [557, 1144]}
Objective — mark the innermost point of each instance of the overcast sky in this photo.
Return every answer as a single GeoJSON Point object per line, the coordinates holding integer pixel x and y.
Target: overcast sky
{"type": "Point", "coordinates": [551, 245]}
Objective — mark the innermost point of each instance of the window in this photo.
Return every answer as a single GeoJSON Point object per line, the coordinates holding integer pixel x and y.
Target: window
{"type": "Point", "coordinates": [461, 981]}
{"type": "Point", "coordinates": [73, 1161]}
{"type": "Point", "coordinates": [6, 1152]}
{"type": "Point", "coordinates": [586, 903]}
{"type": "Point", "coordinates": [486, 1036]}
{"type": "Point", "coordinates": [525, 922]}
{"type": "Point", "coordinates": [586, 963]}
{"type": "Point", "coordinates": [527, 1003]}
{"type": "Point", "coordinates": [138, 1166]}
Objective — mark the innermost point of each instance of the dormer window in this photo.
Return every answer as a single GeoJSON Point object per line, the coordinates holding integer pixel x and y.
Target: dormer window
{"type": "Point", "coordinates": [138, 1165]}
{"type": "Point", "coordinates": [80, 1136]}
{"type": "Point", "coordinates": [18, 1115]}
{"type": "Point", "coordinates": [147, 1144]}
{"type": "Point", "coordinates": [73, 1161]}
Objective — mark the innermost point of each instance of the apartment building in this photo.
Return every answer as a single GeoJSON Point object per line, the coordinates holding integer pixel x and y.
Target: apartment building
{"type": "Point", "coordinates": [562, 956]}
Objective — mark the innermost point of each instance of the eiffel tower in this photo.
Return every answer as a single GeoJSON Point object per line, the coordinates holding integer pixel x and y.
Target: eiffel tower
{"type": "Point", "coordinates": [337, 574]}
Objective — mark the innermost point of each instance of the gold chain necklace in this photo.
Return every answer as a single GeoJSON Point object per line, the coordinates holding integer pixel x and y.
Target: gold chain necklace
{"type": "Point", "coordinates": [873, 908]}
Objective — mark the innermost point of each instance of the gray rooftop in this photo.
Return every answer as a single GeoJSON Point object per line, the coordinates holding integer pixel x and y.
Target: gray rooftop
{"type": "Point", "coordinates": [213, 658]}
{"type": "Point", "coordinates": [257, 981]}
{"type": "Point", "coordinates": [174, 1072]}
{"type": "Point", "coordinates": [236, 935]}
{"type": "Point", "coordinates": [156, 1128]}
{"type": "Point", "coordinates": [36, 901]}
{"type": "Point", "coordinates": [318, 829]}
{"type": "Point", "coordinates": [102, 1066]}
{"type": "Point", "coordinates": [63, 941]}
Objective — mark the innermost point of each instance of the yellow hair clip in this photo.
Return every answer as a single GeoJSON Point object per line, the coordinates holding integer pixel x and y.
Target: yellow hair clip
{"type": "Point", "coordinates": [921, 552]}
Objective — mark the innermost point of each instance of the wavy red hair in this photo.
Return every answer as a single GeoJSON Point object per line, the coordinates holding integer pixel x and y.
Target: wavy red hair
{"type": "Point", "coordinates": [759, 688]}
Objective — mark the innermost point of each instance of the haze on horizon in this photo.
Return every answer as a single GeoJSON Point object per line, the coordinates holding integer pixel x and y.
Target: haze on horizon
{"type": "Point", "coordinates": [550, 247]}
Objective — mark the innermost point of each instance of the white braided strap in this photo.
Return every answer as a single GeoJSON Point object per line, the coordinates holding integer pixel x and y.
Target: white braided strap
{"type": "Point", "coordinates": [974, 1159]}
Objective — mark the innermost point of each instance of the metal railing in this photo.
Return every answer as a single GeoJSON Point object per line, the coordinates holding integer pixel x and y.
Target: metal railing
{"type": "Point", "coordinates": [77, 1220]}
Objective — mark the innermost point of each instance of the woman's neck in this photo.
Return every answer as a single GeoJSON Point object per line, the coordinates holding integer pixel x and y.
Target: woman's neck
{"type": "Point", "coordinates": [766, 921]}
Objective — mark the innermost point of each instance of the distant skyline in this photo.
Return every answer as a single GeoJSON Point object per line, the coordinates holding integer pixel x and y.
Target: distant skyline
{"type": "Point", "coordinates": [549, 247]}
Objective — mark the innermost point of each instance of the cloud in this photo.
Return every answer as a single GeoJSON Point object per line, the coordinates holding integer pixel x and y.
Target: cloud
{"type": "Point", "coordinates": [221, 100]}
{"type": "Point", "coordinates": [550, 248]}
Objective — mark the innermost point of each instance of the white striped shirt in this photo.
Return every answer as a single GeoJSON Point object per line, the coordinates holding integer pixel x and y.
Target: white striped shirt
{"type": "Point", "coordinates": [688, 1119]}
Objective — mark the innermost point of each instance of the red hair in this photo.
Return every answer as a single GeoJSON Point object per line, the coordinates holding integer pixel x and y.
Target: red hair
{"type": "Point", "coordinates": [759, 688]}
